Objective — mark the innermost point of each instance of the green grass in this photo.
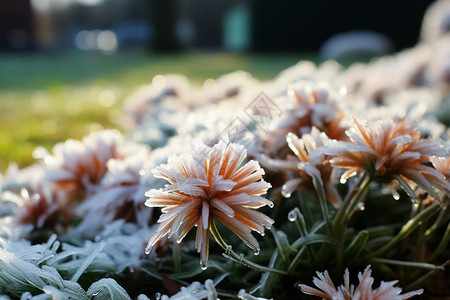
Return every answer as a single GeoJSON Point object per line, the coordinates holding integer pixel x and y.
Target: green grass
{"type": "Point", "coordinates": [46, 98]}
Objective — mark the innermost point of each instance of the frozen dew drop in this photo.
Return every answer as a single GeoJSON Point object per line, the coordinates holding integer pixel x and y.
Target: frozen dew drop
{"type": "Point", "coordinates": [342, 180]}
{"type": "Point", "coordinates": [158, 296]}
{"type": "Point", "coordinates": [362, 207]}
{"type": "Point", "coordinates": [24, 193]}
{"type": "Point", "coordinates": [396, 196]}
{"type": "Point", "coordinates": [263, 233]}
{"type": "Point", "coordinates": [203, 265]}
{"type": "Point", "coordinates": [256, 251]}
{"type": "Point", "coordinates": [286, 195]}
{"type": "Point", "coordinates": [270, 204]}
{"type": "Point", "coordinates": [292, 216]}
{"type": "Point", "coordinates": [241, 256]}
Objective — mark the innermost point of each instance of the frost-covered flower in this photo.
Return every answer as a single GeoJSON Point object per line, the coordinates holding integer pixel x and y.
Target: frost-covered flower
{"type": "Point", "coordinates": [436, 21]}
{"type": "Point", "coordinates": [442, 164]}
{"type": "Point", "coordinates": [236, 85]}
{"type": "Point", "coordinates": [120, 194]}
{"type": "Point", "coordinates": [327, 290]}
{"type": "Point", "coordinates": [77, 167]}
{"type": "Point", "coordinates": [308, 165]}
{"type": "Point", "coordinates": [308, 106]}
{"type": "Point", "coordinates": [162, 96]}
{"type": "Point", "coordinates": [390, 150]}
{"type": "Point", "coordinates": [210, 184]}
{"type": "Point", "coordinates": [41, 208]}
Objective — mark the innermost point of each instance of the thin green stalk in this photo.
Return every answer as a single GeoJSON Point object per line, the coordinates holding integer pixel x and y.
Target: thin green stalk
{"type": "Point", "coordinates": [419, 282]}
{"type": "Point", "coordinates": [299, 220]}
{"type": "Point", "coordinates": [176, 253]}
{"type": "Point", "coordinates": [409, 227]}
{"type": "Point", "coordinates": [344, 213]}
{"type": "Point", "coordinates": [439, 220]}
{"type": "Point", "coordinates": [410, 264]}
{"type": "Point", "coordinates": [305, 207]}
{"type": "Point", "coordinates": [323, 202]}
{"type": "Point", "coordinates": [358, 197]}
{"type": "Point", "coordinates": [442, 245]}
{"type": "Point", "coordinates": [229, 253]}
{"type": "Point", "coordinates": [351, 200]}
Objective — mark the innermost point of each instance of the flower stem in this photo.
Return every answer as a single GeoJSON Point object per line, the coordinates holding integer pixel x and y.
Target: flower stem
{"type": "Point", "coordinates": [323, 202]}
{"type": "Point", "coordinates": [229, 253]}
{"type": "Point", "coordinates": [344, 213]}
{"type": "Point", "coordinates": [411, 264]}
{"type": "Point", "coordinates": [351, 201]}
{"type": "Point", "coordinates": [442, 245]}
{"type": "Point", "coordinates": [408, 228]}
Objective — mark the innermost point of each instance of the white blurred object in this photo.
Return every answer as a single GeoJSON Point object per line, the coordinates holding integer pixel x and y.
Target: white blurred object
{"type": "Point", "coordinates": [354, 43]}
{"type": "Point", "coordinates": [436, 21]}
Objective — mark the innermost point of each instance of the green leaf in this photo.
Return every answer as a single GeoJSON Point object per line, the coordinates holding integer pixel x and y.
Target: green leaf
{"type": "Point", "coordinates": [356, 246]}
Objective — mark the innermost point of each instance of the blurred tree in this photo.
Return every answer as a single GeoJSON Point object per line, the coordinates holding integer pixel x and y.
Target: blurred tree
{"type": "Point", "coordinates": [15, 24]}
{"type": "Point", "coordinates": [164, 15]}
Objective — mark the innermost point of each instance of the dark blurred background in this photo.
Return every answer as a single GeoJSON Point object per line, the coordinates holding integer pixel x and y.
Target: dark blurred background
{"type": "Point", "coordinates": [227, 25]}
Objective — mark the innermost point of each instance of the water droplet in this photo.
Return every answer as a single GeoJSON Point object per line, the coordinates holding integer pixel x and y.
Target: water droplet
{"type": "Point", "coordinates": [203, 265]}
{"type": "Point", "coordinates": [241, 256]}
{"type": "Point", "coordinates": [292, 216]}
{"type": "Point", "coordinates": [263, 233]}
{"type": "Point", "coordinates": [286, 195]}
{"type": "Point", "coordinates": [342, 180]}
{"type": "Point", "coordinates": [396, 196]}
{"type": "Point", "coordinates": [362, 207]}
{"type": "Point", "coordinates": [158, 296]}
{"type": "Point", "coordinates": [270, 204]}
{"type": "Point", "coordinates": [256, 251]}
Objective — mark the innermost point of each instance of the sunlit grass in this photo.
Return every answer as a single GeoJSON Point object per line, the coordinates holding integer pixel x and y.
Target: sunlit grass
{"type": "Point", "coordinates": [46, 98]}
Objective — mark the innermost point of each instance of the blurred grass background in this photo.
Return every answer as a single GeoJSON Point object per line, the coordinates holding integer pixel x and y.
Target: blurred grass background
{"type": "Point", "coordinates": [46, 98]}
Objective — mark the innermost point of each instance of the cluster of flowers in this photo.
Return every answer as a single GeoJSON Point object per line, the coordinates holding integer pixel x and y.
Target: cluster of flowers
{"type": "Point", "coordinates": [334, 146]}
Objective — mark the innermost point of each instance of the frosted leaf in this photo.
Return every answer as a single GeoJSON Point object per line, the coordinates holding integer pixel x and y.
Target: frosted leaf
{"type": "Point", "coordinates": [107, 289]}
